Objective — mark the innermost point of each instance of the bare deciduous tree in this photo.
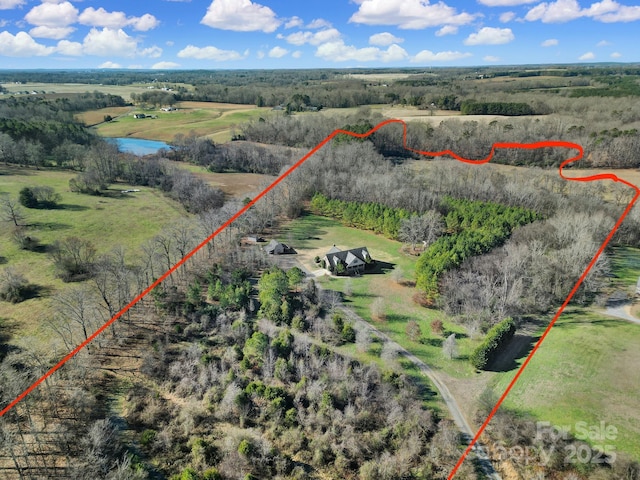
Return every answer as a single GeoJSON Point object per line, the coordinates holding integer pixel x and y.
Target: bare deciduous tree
{"type": "Point", "coordinates": [11, 210]}
{"type": "Point", "coordinates": [450, 347]}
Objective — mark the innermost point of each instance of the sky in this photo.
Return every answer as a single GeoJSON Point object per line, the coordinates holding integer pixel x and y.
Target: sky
{"type": "Point", "coordinates": [233, 34]}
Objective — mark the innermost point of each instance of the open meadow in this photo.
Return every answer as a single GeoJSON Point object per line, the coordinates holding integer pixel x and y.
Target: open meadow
{"type": "Point", "coordinates": [585, 371]}
{"type": "Point", "coordinates": [107, 221]}
{"type": "Point", "coordinates": [213, 120]}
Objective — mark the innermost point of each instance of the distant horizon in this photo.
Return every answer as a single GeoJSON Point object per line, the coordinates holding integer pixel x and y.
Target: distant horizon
{"type": "Point", "coordinates": [280, 34]}
{"type": "Point", "coordinates": [389, 68]}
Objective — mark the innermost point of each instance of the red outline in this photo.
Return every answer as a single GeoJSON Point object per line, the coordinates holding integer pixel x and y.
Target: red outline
{"type": "Point", "coordinates": [508, 145]}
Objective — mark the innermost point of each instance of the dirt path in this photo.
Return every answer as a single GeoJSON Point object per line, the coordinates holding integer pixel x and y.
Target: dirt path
{"type": "Point", "coordinates": [621, 311]}
{"type": "Point", "coordinates": [454, 409]}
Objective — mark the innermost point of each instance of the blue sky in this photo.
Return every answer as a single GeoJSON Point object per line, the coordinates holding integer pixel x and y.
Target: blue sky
{"type": "Point", "coordinates": [214, 34]}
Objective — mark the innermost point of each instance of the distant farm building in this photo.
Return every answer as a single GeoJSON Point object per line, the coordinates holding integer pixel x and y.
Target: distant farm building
{"type": "Point", "coordinates": [139, 115]}
{"type": "Point", "coordinates": [349, 262]}
{"type": "Point", "coordinates": [278, 248]}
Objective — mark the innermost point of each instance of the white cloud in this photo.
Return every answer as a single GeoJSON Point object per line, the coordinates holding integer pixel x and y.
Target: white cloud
{"type": "Point", "coordinates": [101, 18]}
{"type": "Point", "coordinates": [151, 52]}
{"type": "Point", "coordinates": [73, 49]}
{"type": "Point", "coordinates": [144, 23]}
{"type": "Point", "coordinates": [294, 22]}
{"type": "Point", "coordinates": [504, 3]}
{"type": "Point", "coordinates": [55, 33]}
{"type": "Point", "coordinates": [52, 15]}
{"type": "Point", "coordinates": [506, 17]}
{"type": "Point", "coordinates": [165, 65]}
{"type": "Point", "coordinates": [209, 53]}
{"type": "Point", "coordinates": [607, 11]}
{"type": "Point", "coordinates": [278, 52]}
{"type": "Point", "coordinates": [491, 58]}
{"type": "Point", "coordinates": [551, 42]}
{"type": "Point", "coordinates": [447, 30]}
{"type": "Point", "coordinates": [260, 54]}
{"type": "Point", "coordinates": [384, 39]}
{"type": "Point", "coordinates": [110, 65]}
{"type": "Point", "coordinates": [169, 43]}
{"type": "Point", "coordinates": [9, 4]}
{"type": "Point", "coordinates": [427, 56]}
{"type": "Point", "coordinates": [314, 38]}
{"type": "Point", "coordinates": [409, 14]}
{"type": "Point", "coordinates": [319, 23]}
{"type": "Point", "coordinates": [490, 36]}
{"type": "Point", "coordinates": [296, 54]}
{"type": "Point", "coordinates": [240, 16]}
{"type": "Point", "coordinates": [22, 45]}
{"type": "Point", "coordinates": [622, 14]}
{"type": "Point", "coordinates": [555, 12]}
{"type": "Point", "coordinates": [616, 55]}
{"type": "Point", "coordinates": [109, 42]}
{"type": "Point", "coordinates": [587, 56]}
{"type": "Point", "coordinates": [338, 51]}
{"type": "Point", "coordinates": [603, 43]}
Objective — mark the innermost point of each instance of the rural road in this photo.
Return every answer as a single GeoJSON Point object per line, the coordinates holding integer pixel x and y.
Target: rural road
{"type": "Point", "coordinates": [445, 394]}
{"type": "Point", "coordinates": [622, 311]}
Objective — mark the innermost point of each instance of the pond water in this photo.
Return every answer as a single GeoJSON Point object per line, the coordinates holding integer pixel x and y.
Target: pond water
{"type": "Point", "coordinates": [138, 146]}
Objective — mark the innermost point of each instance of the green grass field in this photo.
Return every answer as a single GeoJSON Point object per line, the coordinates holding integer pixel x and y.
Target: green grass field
{"type": "Point", "coordinates": [215, 121]}
{"type": "Point", "coordinates": [313, 235]}
{"type": "Point", "coordinates": [107, 221]}
{"type": "Point", "coordinates": [586, 370]}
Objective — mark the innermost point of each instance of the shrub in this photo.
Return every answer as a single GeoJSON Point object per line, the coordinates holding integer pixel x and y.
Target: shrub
{"type": "Point", "coordinates": [245, 448]}
{"type": "Point", "coordinates": [496, 338]}
{"type": "Point", "coordinates": [437, 327]}
{"type": "Point", "coordinates": [14, 287]}
{"type": "Point", "coordinates": [39, 197]}
{"type": "Point", "coordinates": [147, 437]}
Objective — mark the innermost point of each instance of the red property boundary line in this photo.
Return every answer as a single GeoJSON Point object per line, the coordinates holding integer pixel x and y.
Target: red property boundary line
{"type": "Point", "coordinates": [504, 145]}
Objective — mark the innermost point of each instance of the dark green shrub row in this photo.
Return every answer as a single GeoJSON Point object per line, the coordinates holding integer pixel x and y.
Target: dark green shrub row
{"type": "Point", "coordinates": [495, 340]}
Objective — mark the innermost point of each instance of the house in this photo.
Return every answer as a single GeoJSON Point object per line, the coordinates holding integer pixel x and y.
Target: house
{"type": "Point", "coordinates": [277, 248]}
{"type": "Point", "coordinates": [351, 262]}
{"type": "Point", "coordinates": [139, 115]}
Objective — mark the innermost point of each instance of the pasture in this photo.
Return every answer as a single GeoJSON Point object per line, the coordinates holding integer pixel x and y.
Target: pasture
{"type": "Point", "coordinates": [583, 345]}
{"type": "Point", "coordinates": [111, 220]}
{"type": "Point", "coordinates": [213, 120]}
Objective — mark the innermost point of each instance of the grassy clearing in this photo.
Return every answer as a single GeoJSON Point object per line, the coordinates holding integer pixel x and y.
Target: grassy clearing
{"type": "Point", "coordinates": [585, 371]}
{"type": "Point", "coordinates": [234, 185]}
{"type": "Point", "coordinates": [213, 120]}
{"type": "Point", "coordinates": [313, 235]}
{"type": "Point", "coordinates": [107, 221]}
{"type": "Point", "coordinates": [625, 265]}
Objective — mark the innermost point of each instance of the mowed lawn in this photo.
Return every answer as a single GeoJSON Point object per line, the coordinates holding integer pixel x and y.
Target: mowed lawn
{"type": "Point", "coordinates": [212, 120]}
{"type": "Point", "coordinates": [126, 220]}
{"type": "Point", "coordinates": [586, 370]}
{"type": "Point", "coordinates": [313, 235]}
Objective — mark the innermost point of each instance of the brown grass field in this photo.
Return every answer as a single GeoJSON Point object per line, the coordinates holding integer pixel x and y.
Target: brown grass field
{"type": "Point", "coordinates": [96, 117]}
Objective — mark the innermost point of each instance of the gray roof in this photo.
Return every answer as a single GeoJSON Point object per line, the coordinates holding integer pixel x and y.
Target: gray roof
{"type": "Point", "coordinates": [355, 257]}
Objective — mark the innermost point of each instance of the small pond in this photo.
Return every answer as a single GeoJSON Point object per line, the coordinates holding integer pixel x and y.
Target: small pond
{"type": "Point", "coordinates": [138, 146]}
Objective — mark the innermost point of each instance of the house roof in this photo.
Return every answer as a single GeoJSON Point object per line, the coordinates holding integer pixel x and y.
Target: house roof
{"type": "Point", "coordinates": [351, 258]}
